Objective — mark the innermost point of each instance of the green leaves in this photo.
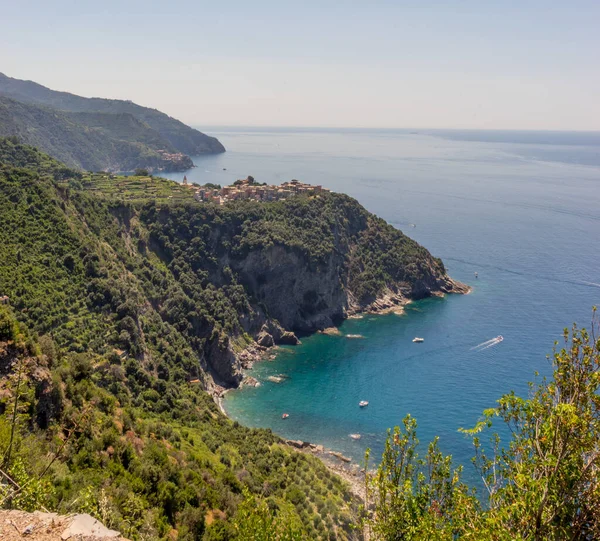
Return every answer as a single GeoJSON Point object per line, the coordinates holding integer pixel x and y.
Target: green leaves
{"type": "Point", "coordinates": [544, 485]}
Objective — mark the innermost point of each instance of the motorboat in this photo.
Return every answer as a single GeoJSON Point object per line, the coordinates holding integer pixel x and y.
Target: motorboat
{"type": "Point", "coordinates": [355, 436]}
{"type": "Point", "coordinates": [285, 415]}
{"type": "Point", "coordinates": [499, 338]}
{"type": "Point", "coordinates": [418, 340]}
{"type": "Point", "coordinates": [363, 403]}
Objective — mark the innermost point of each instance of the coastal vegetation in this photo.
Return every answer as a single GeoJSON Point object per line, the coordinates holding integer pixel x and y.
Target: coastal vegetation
{"type": "Point", "coordinates": [75, 436]}
{"type": "Point", "coordinates": [127, 300]}
{"type": "Point", "coordinates": [541, 484]}
{"type": "Point", "coordinates": [136, 264]}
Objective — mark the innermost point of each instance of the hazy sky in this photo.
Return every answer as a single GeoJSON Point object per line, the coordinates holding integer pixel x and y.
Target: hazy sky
{"type": "Point", "coordinates": [522, 64]}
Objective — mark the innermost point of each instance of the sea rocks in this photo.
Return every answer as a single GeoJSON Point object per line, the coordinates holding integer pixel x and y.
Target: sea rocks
{"type": "Point", "coordinates": [249, 381]}
{"type": "Point", "coordinates": [277, 334]}
{"type": "Point", "coordinates": [340, 456]}
{"type": "Point", "coordinates": [288, 338]}
{"type": "Point", "coordinates": [331, 331]}
{"type": "Point", "coordinates": [265, 339]}
{"type": "Point", "coordinates": [388, 302]}
{"type": "Point", "coordinates": [273, 328]}
{"type": "Point", "coordinates": [298, 444]}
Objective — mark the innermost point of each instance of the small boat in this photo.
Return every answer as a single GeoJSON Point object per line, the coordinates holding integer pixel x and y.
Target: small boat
{"type": "Point", "coordinates": [363, 403]}
{"type": "Point", "coordinates": [499, 338]}
{"type": "Point", "coordinates": [418, 340]}
{"type": "Point", "coordinates": [285, 415]}
{"type": "Point", "coordinates": [355, 436]}
{"type": "Point", "coordinates": [476, 275]}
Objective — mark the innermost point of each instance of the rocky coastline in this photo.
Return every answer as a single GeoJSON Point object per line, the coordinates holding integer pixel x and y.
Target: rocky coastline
{"type": "Point", "coordinates": [265, 348]}
{"type": "Point", "coordinates": [271, 334]}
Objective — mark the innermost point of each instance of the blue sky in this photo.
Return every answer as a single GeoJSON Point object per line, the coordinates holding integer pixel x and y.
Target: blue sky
{"type": "Point", "coordinates": [455, 64]}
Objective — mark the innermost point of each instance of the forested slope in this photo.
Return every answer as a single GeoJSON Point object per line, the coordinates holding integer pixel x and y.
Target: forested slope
{"type": "Point", "coordinates": [181, 137]}
{"type": "Point", "coordinates": [126, 305]}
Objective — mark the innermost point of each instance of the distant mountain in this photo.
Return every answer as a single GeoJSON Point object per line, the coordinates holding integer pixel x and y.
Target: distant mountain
{"type": "Point", "coordinates": [92, 141]}
{"type": "Point", "coordinates": [97, 133]}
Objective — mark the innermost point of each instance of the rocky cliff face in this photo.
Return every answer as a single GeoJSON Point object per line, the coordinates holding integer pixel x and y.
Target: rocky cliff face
{"type": "Point", "coordinates": [298, 297]}
{"type": "Point", "coordinates": [305, 299]}
{"type": "Point", "coordinates": [289, 268]}
{"type": "Point", "coordinates": [184, 289]}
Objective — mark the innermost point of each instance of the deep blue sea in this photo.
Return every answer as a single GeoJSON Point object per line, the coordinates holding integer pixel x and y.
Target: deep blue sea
{"type": "Point", "coordinates": [522, 209]}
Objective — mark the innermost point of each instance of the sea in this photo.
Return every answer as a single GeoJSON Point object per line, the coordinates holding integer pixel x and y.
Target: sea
{"type": "Point", "coordinates": [514, 214]}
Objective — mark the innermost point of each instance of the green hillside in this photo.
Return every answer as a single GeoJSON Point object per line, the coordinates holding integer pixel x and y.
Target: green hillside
{"type": "Point", "coordinates": [138, 300]}
{"type": "Point", "coordinates": [143, 442]}
{"type": "Point", "coordinates": [124, 302]}
{"type": "Point", "coordinates": [92, 141]}
{"type": "Point", "coordinates": [130, 270]}
{"type": "Point", "coordinates": [181, 137]}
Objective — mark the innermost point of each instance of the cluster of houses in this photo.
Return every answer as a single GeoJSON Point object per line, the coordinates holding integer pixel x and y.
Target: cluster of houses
{"type": "Point", "coordinates": [171, 156]}
{"type": "Point", "coordinates": [248, 189]}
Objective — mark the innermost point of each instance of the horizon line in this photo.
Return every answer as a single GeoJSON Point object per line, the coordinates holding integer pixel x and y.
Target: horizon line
{"type": "Point", "coordinates": [416, 130]}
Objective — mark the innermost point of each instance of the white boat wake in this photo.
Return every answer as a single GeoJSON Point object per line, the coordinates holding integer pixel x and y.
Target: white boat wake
{"type": "Point", "coordinates": [483, 344]}
{"type": "Point", "coordinates": [488, 343]}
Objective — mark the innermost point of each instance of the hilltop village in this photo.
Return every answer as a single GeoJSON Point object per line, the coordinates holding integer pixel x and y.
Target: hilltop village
{"type": "Point", "coordinates": [249, 189]}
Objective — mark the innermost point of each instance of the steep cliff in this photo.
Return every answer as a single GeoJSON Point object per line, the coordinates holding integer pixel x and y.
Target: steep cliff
{"type": "Point", "coordinates": [185, 288]}
{"type": "Point", "coordinates": [136, 305]}
{"type": "Point", "coordinates": [298, 265]}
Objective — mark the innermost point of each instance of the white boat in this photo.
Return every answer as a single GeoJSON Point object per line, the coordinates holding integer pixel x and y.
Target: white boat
{"type": "Point", "coordinates": [499, 338]}
{"type": "Point", "coordinates": [355, 436]}
{"type": "Point", "coordinates": [418, 340]}
{"type": "Point", "coordinates": [363, 403]}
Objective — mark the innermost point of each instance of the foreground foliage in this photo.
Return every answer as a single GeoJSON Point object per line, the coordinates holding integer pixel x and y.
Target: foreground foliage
{"type": "Point", "coordinates": [543, 485]}
{"type": "Point", "coordinates": [189, 472]}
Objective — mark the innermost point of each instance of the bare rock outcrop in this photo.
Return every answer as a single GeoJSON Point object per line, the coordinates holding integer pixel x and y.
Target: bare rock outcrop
{"type": "Point", "coordinates": [38, 526]}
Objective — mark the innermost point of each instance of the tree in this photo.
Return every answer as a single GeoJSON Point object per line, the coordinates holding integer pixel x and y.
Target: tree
{"type": "Point", "coordinates": [415, 498]}
{"type": "Point", "coordinates": [545, 485]}
{"type": "Point", "coordinates": [255, 521]}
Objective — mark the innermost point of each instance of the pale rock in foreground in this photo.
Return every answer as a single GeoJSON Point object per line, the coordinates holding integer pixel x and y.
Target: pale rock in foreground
{"type": "Point", "coordinates": [39, 526]}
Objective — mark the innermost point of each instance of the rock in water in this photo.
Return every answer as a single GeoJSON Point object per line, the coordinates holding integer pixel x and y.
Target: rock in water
{"type": "Point", "coordinates": [289, 338]}
{"type": "Point", "coordinates": [265, 339]}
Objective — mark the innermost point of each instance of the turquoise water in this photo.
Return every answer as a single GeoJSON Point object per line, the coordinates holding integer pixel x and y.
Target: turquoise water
{"type": "Point", "coordinates": [522, 209]}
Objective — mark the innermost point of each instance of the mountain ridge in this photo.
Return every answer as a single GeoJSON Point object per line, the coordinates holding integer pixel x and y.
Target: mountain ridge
{"type": "Point", "coordinates": [70, 126]}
